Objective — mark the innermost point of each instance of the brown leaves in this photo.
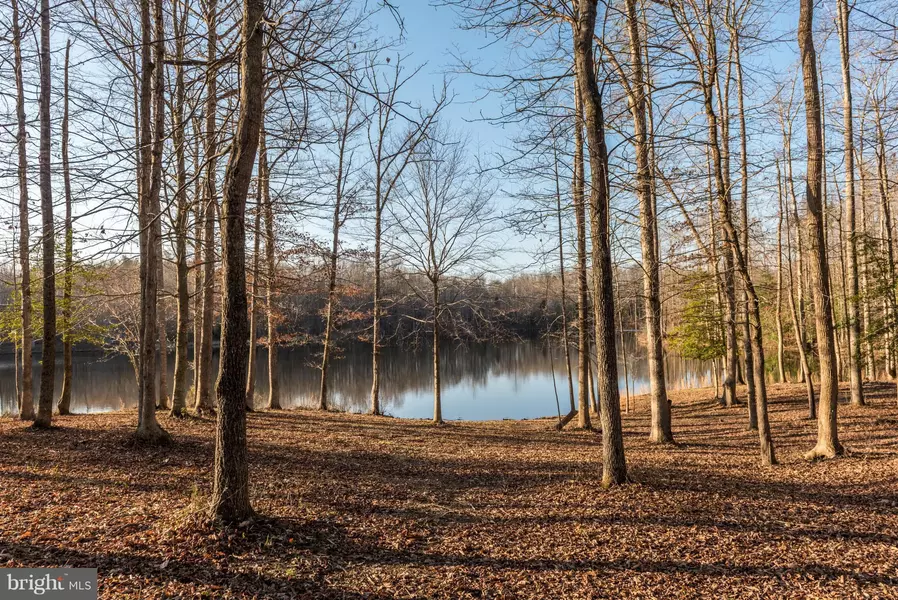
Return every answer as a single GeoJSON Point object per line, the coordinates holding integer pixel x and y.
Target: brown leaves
{"type": "Point", "coordinates": [363, 507]}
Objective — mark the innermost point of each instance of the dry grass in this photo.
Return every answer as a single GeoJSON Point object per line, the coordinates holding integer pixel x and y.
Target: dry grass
{"type": "Point", "coordinates": [363, 507]}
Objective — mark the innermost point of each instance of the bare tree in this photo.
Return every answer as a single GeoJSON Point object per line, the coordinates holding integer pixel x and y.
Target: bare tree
{"type": "Point", "coordinates": [48, 351]}
{"type": "Point", "coordinates": [65, 394]}
{"type": "Point", "coordinates": [828, 444]}
{"type": "Point", "coordinates": [230, 490]}
{"type": "Point", "coordinates": [26, 402]}
{"type": "Point", "coordinates": [614, 464]}
{"type": "Point", "coordinates": [441, 218]}
{"type": "Point", "coordinates": [391, 155]}
{"type": "Point", "coordinates": [203, 401]}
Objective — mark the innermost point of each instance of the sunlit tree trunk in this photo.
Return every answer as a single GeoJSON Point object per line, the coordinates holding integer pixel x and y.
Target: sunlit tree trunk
{"type": "Point", "coordinates": [26, 385]}
{"type": "Point", "coordinates": [748, 349]}
{"type": "Point", "coordinates": [584, 339]}
{"type": "Point", "coordinates": [828, 444]}
{"type": "Point", "coordinates": [230, 489]}
{"type": "Point", "coordinates": [854, 329]}
{"type": "Point", "coordinates": [65, 395]}
{"type": "Point", "coordinates": [780, 346]}
{"type": "Point", "coordinates": [614, 465]}
{"type": "Point", "coordinates": [660, 408]}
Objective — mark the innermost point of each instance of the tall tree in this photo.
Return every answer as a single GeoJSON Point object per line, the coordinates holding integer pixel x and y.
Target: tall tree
{"type": "Point", "coordinates": [203, 401]}
{"type": "Point", "coordinates": [152, 137]}
{"type": "Point", "coordinates": [179, 385]}
{"type": "Point", "coordinates": [65, 394]}
{"type": "Point", "coordinates": [26, 386]}
{"type": "Point", "coordinates": [614, 464]}
{"type": "Point", "coordinates": [828, 444]}
{"type": "Point", "coordinates": [230, 489]}
{"type": "Point", "coordinates": [48, 352]}
{"type": "Point", "coordinates": [660, 425]}
{"type": "Point", "coordinates": [274, 388]}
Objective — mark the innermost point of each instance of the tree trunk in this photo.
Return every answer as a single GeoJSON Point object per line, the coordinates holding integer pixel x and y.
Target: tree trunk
{"type": "Point", "coordinates": [828, 444]}
{"type": "Point", "coordinates": [198, 227]}
{"type": "Point", "coordinates": [179, 391]}
{"type": "Point", "coordinates": [375, 327]}
{"type": "Point", "coordinates": [274, 388]}
{"type": "Point", "coordinates": [65, 395]}
{"type": "Point", "coordinates": [152, 85]}
{"type": "Point", "coordinates": [660, 422]}
{"type": "Point", "coordinates": [437, 404]}
{"type": "Point", "coordinates": [564, 327]}
{"type": "Point", "coordinates": [614, 464]}
{"type": "Point", "coordinates": [748, 347]}
{"type": "Point", "coordinates": [254, 303]}
{"type": "Point", "coordinates": [230, 488]}
{"type": "Point", "coordinates": [48, 356]}
{"type": "Point", "coordinates": [780, 348]}
{"type": "Point", "coordinates": [578, 184]}
{"type": "Point", "coordinates": [203, 401]}
{"type": "Point", "coordinates": [26, 386]}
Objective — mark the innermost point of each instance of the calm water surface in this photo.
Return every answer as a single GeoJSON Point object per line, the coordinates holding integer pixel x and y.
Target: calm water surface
{"type": "Point", "coordinates": [480, 382]}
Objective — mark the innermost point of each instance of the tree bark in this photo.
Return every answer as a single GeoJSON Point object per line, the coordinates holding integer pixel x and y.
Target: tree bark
{"type": "Point", "coordinates": [64, 403]}
{"type": "Point", "coordinates": [204, 366]}
{"type": "Point", "coordinates": [828, 444]}
{"type": "Point", "coordinates": [254, 303]}
{"type": "Point", "coordinates": [578, 190]}
{"type": "Point", "coordinates": [48, 352]}
{"type": "Point", "coordinates": [614, 464]}
{"type": "Point", "coordinates": [179, 391]}
{"type": "Point", "coordinates": [564, 323]}
{"type": "Point", "coordinates": [274, 388]}
{"type": "Point", "coordinates": [780, 347]}
{"type": "Point", "coordinates": [26, 386]}
{"type": "Point", "coordinates": [661, 432]}
{"type": "Point", "coordinates": [230, 489]}
{"type": "Point", "coordinates": [152, 138]}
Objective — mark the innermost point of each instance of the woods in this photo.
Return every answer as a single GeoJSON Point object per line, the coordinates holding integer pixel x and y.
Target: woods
{"type": "Point", "coordinates": [621, 184]}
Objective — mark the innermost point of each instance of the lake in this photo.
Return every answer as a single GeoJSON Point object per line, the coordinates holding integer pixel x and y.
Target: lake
{"type": "Point", "coordinates": [480, 381]}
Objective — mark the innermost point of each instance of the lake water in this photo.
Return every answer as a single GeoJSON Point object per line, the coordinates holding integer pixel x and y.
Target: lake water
{"type": "Point", "coordinates": [480, 382]}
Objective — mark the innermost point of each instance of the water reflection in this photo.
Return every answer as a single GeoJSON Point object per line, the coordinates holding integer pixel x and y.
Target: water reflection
{"type": "Point", "coordinates": [480, 382]}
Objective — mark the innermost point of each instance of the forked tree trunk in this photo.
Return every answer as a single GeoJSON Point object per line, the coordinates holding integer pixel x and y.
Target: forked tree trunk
{"type": "Point", "coordinates": [661, 432]}
{"type": "Point", "coordinates": [48, 356]}
{"type": "Point", "coordinates": [65, 394]}
{"type": "Point", "coordinates": [614, 464]}
{"type": "Point", "coordinates": [26, 386]}
{"type": "Point", "coordinates": [230, 489]}
{"type": "Point", "coordinates": [152, 141]}
{"type": "Point", "coordinates": [828, 444]}
{"type": "Point", "coordinates": [203, 400]}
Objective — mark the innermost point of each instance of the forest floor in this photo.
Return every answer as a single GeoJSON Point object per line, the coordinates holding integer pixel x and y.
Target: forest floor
{"type": "Point", "coordinates": [361, 507]}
